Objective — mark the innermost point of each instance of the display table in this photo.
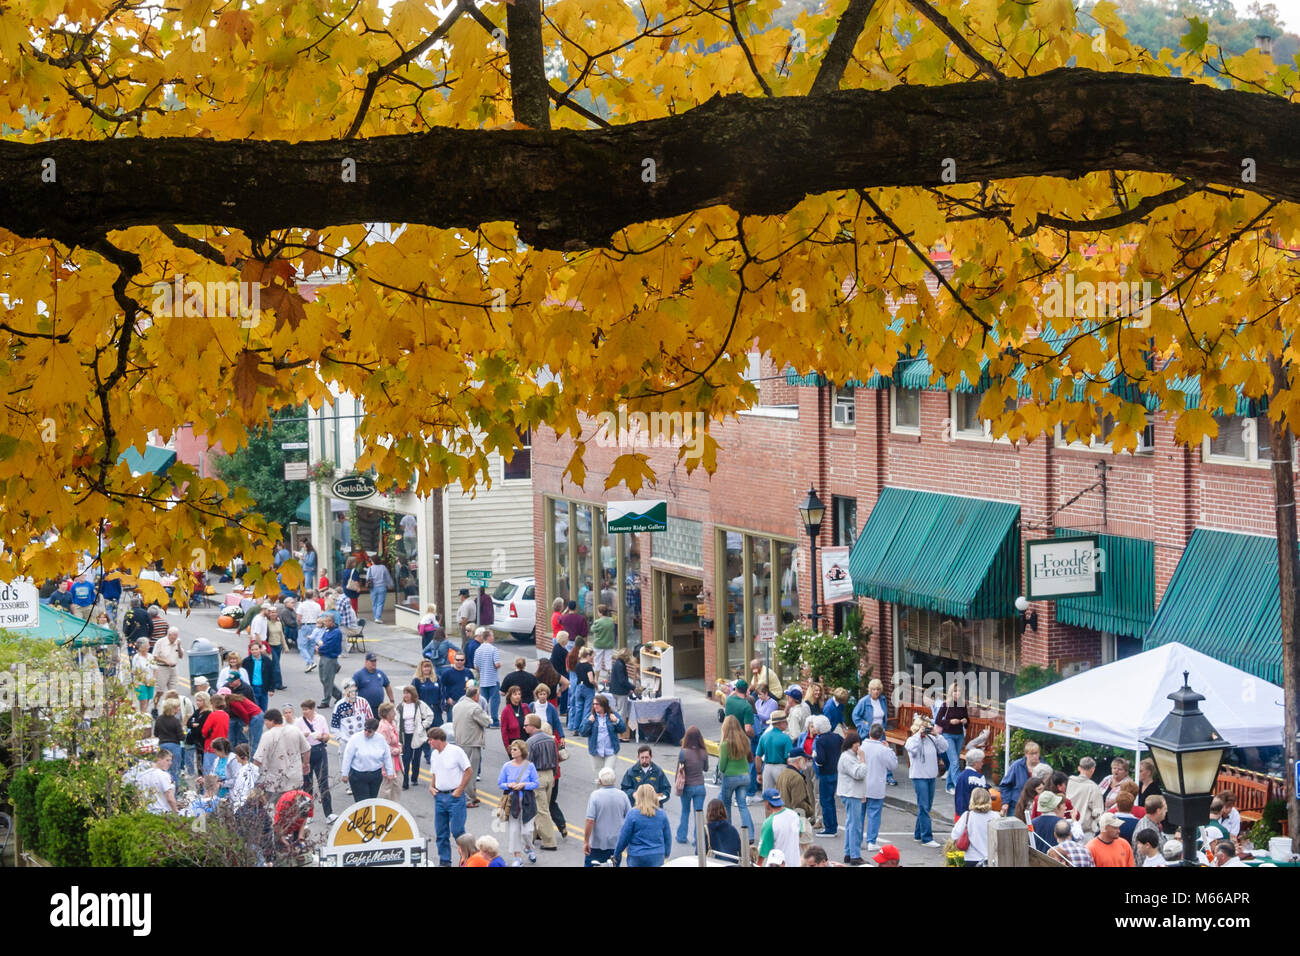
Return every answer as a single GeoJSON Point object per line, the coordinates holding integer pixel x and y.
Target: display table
{"type": "Point", "coordinates": [657, 720]}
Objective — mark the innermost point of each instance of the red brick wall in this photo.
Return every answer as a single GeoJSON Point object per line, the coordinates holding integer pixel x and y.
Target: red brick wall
{"type": "Point", "coordinates": [766, 464]}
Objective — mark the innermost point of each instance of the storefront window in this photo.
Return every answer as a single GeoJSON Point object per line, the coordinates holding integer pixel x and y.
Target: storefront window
{"type": "Point", "coordinates": [583, 566]}
{"type": "Point", "coordinates": [560, 550]}
{"type": "Point", "coordinates": [788, 582]}
{"type": "Point", "coordinates": [760, 580]}
{"type": "Point", "coordinates": [734, 577]}
{"type": "Point", "coordinates": [981, 654]}
{"type": "Point", "coordinates": [630, 627]}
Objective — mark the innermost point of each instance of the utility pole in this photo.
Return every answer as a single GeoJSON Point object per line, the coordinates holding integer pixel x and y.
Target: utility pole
{"type": "Point", "coordinates": [439, 551]}
{"type": "Point", "coordinates": [1285, 516]}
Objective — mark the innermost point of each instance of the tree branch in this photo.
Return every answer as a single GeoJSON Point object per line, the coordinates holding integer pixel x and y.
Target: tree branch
{"type": "Point", "coordinates": [840, 52]}
{"type": "Point", "coordinates": [759, 156]}
{"type": "Point", "coordinates": [953, 34]}
{"type": "Point", "coordinates": [529, 89]}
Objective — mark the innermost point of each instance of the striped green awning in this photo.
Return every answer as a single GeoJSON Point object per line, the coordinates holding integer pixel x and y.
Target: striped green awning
{"type": "Point", "coordinates": [1223, 601]}
{"type": "Point", "coordinates": [303, 511]}
{"type": "Point", "coordinates": [1127, 601]}
{"type": "Point", "coordinates": [956, 556]}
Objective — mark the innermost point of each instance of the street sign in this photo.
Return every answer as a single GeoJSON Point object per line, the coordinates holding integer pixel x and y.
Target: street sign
{"type": "Point", "coordinates": [477, 574]}
{"type": "Point", "coordinates": [354, 487]}
{"type": "Point", "coordinates": [766, 629]}
{"type": "Point", "coordinates": [20, 604]}
{"type": "Point", "coordinates": [628, 517]}
{"type": "Point", "coordinates": [294, 446]}
{"type": "Point", "coordinates": [295, 471]}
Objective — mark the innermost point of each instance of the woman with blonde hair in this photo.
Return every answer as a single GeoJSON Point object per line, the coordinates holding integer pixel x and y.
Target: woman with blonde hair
{"type": "Point", "coordinates": [646, 835]}
{"type": "Point", "coordinates": [388, 730]}
{"type": "Point", "coordinates": [974, 823]}
{"type": "Point", "coordinates": [518, 780]}
{"type": "Point", "coordinates": [734, 754]}
{"type": "Point", "coordinates": [873, 709]}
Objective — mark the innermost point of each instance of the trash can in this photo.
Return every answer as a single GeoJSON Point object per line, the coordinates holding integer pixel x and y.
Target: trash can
{"type": "Point", "coordinates": [205, 661]}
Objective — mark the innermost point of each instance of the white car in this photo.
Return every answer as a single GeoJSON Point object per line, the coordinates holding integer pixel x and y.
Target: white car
{"type": "Point", "coordinates": [514, 608]}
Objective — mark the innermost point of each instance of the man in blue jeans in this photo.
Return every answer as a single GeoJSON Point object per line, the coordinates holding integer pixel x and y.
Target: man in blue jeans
{"type": "Point", "coordinates": [881, 761]}
{"type": "Point", "coordinates": [450, 772]}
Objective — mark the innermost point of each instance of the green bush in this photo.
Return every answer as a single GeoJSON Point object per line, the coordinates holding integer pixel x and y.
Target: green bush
{"type": "Point", "coordinates": [1269, 823]}
{"type": "Point", "coordinates": [1064, 753]}
{"type": "Point", "coordinates": [65, 803]}
{"type": "Point", "coordinates": [1034, 678]}
{"type": "Point", "coordinates": [141, 838]}
{"type": "Point", "coordinates": [22, 796]}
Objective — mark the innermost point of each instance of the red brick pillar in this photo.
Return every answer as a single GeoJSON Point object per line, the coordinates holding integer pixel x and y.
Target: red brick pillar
{"type": "Point", "coordinates": [1174, 502]}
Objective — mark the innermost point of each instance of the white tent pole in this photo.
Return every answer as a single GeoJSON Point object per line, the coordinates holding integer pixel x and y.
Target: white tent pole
{"type": "Point", "coordinates": [1006, 760]}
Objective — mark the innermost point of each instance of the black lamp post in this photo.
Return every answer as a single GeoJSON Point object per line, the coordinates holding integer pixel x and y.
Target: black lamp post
{"type": "Point", "coordinates": [812, 510]}
{"type": "Point", "coordinates": [1187, 751]}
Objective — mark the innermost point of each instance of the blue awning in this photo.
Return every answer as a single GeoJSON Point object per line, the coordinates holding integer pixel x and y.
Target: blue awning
{"type": "Point", "coordinates": [155, 460]}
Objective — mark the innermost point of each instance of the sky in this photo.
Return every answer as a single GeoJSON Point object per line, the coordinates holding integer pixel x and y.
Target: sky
{"type": "Point", "coordinates": [1288, 11]}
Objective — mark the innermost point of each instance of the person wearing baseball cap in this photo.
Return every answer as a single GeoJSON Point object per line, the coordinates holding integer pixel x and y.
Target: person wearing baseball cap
{"type": "Point", "coordinates": [888, 856]}
{"type": "Point", "coordinates": [797, 712]}
{"type": "Point", "coordinates": [780, 830]}
{"type": "Point", "coordinates": [1108, 848]}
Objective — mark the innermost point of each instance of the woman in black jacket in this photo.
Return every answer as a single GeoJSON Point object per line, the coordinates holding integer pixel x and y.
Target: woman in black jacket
{"type": "Point", "coordinates": [620, 687]}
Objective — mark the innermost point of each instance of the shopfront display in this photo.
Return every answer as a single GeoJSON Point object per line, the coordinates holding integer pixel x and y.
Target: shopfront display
{"type": "Point", "coordinates": [588, 565]}
{"type": "Point", "coordinates": [756, 574]}
{"type": "Point", "coordinates": [680, 628]}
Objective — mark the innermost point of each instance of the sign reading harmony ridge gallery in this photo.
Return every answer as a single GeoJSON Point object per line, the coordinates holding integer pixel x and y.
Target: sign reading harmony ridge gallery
{"type": "Point", "coordinates": [1063, 567]}
{"type": "Point", "coordinates": [626, 517]}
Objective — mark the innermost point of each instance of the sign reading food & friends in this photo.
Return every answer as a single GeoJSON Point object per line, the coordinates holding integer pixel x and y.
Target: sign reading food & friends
{"type": "Point", "coordinates": [1063, 568]}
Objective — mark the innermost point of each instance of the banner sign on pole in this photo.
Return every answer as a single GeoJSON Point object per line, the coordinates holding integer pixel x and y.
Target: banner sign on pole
{"type": "Point", "coordinates": [837, 584]}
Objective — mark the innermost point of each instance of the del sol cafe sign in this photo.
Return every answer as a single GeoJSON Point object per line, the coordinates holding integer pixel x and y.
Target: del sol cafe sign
{"type": "Point", "coordinates": [375, 833]}
{"type": "Point", "coordinates": [1063, 567]}
{"type": "Point", "coordinates": [354, 487]}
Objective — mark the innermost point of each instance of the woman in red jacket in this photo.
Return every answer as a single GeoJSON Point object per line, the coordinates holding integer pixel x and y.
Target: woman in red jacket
{"type": "Point", "coordinates": [512, 717]}
{"type": "Point", "coordinates": [216, 726]}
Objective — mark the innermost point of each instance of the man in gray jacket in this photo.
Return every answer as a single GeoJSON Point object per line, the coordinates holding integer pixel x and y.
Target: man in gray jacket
{"type": "Point", "coordinates": [881, 762]}
{"type": "Point", "coordinates": [1085, 796]}
{"type": "Point", "coordinates": [468, 722]}
{"type": "Point", "coordinates": [544, 756]}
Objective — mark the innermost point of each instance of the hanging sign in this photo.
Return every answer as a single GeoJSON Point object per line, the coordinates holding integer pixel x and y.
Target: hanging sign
{"type": "Point", "coordinates": [628, 517]}
{"type": "Point", "coordinates": [354, 488]}
{"type": "Point", "coordinates": [837, 584]}
{"type": "Point", "coordinates": [20, 604]}
{"type": "Point", "coordinates": [1063, 567]}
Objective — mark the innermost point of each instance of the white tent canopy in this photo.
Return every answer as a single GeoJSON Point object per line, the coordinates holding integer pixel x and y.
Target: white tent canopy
{"type": "Point", "coordinates": [1119, 703]}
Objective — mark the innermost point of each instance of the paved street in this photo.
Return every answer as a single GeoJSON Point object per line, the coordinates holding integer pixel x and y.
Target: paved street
{"type": "Point", "coordinates": [398, 653]}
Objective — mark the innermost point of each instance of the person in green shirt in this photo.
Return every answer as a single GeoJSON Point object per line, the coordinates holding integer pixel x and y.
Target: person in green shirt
{"type": "Point", "coordinates": [734, 763]}
{"type": "Point", "coordinates": [773, 749]}
{"type": "Point", "coordinates": [739, 706]}
{"type": "Point", "coordinates": [603, 634]}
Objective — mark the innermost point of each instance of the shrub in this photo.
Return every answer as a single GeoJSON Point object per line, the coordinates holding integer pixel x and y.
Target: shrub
{"type": "Point", "coordinates": [1034, 678]}
{"type": "Point", "coordinates": [141, 838]}
{"type": "Point", "coordinates": [831, 659]}
{"type": "Point", "coordinates": [22, 796]}
{"type": "Point", "coordinates": [1064, 753]}
{"type": "Point", "coordinates": [65, 803]}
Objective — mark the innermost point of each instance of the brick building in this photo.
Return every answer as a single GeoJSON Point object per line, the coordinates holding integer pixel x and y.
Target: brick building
{"type": "Point", "coordinates": [936, 512]}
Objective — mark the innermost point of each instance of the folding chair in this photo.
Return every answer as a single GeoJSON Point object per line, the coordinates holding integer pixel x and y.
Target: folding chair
{"type": "Point", "coordinates": [356, 636]}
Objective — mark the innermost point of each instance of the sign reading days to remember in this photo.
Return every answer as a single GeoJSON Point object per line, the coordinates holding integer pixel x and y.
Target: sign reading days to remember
{"type": "Point", "coordinates": [1063, 567]}
{"type": "Point", "coordinates": [374, 833]}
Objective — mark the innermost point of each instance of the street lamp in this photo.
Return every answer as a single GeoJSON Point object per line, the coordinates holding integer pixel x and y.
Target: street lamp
{"type": "Point", "coordinates": [1026, 620]}
{"type": "Point", "coordinates": [812, 510]}
{"type": "Point", "coordinates": [1187, 751]}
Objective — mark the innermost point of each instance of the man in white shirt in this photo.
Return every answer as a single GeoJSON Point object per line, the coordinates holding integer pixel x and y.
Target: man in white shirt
{"type": "Point", "coordinates": [309, 632]}
{"type": "Point", "coordinates": [258, 626]}
{"type": "Point", "coordinates": [281, 753]}
{"type": "Point", "coordinates": [467, 615]}
{"type": "Point", "coordinates": [167, 654]}
{"type": "Point", "coordinates": [157, 780]}
{"type": "Point", "coordinates": [780, 830]}
{"type": "Point", "coordinates": [450, 773]}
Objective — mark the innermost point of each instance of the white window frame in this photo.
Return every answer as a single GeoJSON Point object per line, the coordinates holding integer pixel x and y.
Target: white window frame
{"type": "Point", "coordinates": [1095, 444]}
{"type": "Point", "coordinates": [843, 406]}
{"type": "Point", "coordinates": [986, 432]}
{"type": "Point", "coordinates": [893, 412]}
{"type": "Point", "coordinates": [1252, 459]}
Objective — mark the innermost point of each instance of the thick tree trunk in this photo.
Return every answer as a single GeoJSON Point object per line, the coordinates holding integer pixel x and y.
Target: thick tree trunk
{"type": "Point", "coordinates": [570, 189]}
{"type": "Point", "coordinates": [529, 91]}
{"type": "Point", "coordinates": [1288, 582]}
{"type": "Point", "coordinates": [1284, 496]}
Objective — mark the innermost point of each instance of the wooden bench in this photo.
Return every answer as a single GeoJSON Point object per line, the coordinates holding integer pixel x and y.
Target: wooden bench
{"type": "Point", "coordinates": [1250, 795]}
{"type": "Point", "coordinates": [897, 735]}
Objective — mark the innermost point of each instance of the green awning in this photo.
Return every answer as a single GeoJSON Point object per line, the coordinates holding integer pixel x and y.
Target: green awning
{"type": "Point", "coordinates": [62, 627]}
{"type": "Point", "coordinates": [303, 511]}
{"type": "Point", "coordinates": [154, 461]}
{"type": "Point", "coordinates": [1127, 601]}
{"type": "Point", "coordinates": [1223, 601]}
{"type": "Point", "coordinates": [956, 556]}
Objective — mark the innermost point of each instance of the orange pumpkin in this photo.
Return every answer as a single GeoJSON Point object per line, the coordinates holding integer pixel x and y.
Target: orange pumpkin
{"type": "Point", "coordinates": [225, 621]}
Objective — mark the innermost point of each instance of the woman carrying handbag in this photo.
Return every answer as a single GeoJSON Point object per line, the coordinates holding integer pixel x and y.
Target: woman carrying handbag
{"type": "Point", "coordinates": [518, 806]}
{"type": "Point", "coordinates": [971, 831]}
{"type": "Point", "coordinates": [692, 764]}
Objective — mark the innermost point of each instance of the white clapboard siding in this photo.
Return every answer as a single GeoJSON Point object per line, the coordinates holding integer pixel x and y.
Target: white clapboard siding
{"type": "Point", "coordinates": [493, 529]}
